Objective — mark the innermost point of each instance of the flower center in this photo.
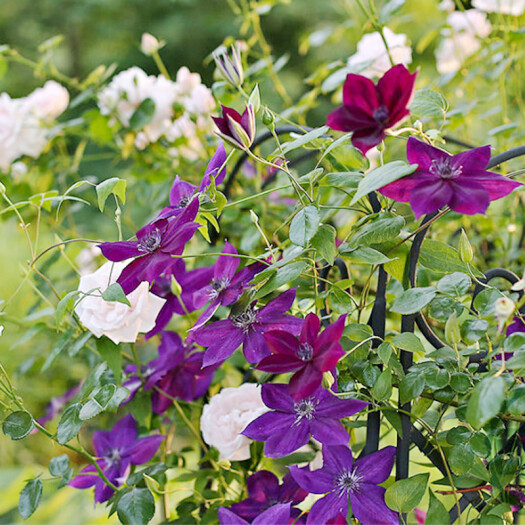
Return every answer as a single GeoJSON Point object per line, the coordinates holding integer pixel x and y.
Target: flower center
{"type": "Point", "coordinates": [305, 408]}
{"type": "Point", "coordinates": [114, 456]}
{"type": "Point", "coordinates": [245, 320]}
{"type": "Point", "coordinates": [347, 482]}
{"type": "Point", "coordinates": [381, 114]}
{"type": "Point", "coordinates": [150, 243]}
{"type": "Point", "coordinates": [305, 352]}
{"type": "Point", "coordinates": [218, 286]}
{"type": "Point", "coordinates": [184, 201]}
{"type": "Point", "coordinates": [445, 168]}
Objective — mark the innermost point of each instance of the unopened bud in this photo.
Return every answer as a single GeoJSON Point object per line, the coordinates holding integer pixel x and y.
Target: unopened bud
{"type": "Point", "coordinates": [176, 288]}
{"type": "Point", "coordinates": [465, 249]}
{"type": "Point", "coordinates": [224, 464]}
{"type": "Point", "coordinates": [518, 286]}
{"type": "Point", "coordinates": [149, 44]}
{"type": "Point", "coordinates": [328, 380]}
{"type": "Point", "coordinates": [254, 217]}
{"type": "Point", "coordinates": [268, 117]}
{"type": "Point", "coordinates": [452, 331]}
{"type": "Point", "coordinates": [230, 66]}
{"type": "Point", "coordinates": [503, 309]}
{"type": "Point", "coordinates": [2, 189]}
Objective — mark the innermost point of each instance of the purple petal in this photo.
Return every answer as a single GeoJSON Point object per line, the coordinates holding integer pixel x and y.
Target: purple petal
{"type": "Point", "coordinates": [279, 364]}
{"type": "Point", "coordinates": [282, 303]}
{"type": "Point", "coordinates": [124, 432]}
{"type": "Point", "coordinates": [395, 89]}
{"type": "Point", "coordinates": [367, 139]}
{"type": "Point", "coordinates": [277, 397]}
{"type": "Point", "coordinates": [255, 348]}
{"type": "Point", "coordinates": [305, 382]}
{"type": "Point", "coordinates": [218, 160]}
{"type": "Point", "coordinates": [83, 480]}
{"type": "Point", "coordinates": [181, 190]}
{"type": "Point", "coordinates": [430, 197]}
{"type": "Point", "coordinates": [132, 275]}
{"type": "Point", "coordinates": [285, 322]}
{"type": "Point", "coordinates": [473, 159]}
{"type": "Point", "coordinates": [285, 440]}
{"type": "Point", "coordinates": [282, 343]}
{"type": "Point", "coordinates": [337, 458]}
{"type": "Point", "coordinates": [360, 92]}
{"type": "Point", "coordinates": [401, 189]}
{"type": "Point", "coordinates": [376, 467]}
{"type": "Point", "coordinates": [227, 517]}
{"type": "Point", "coordinates": [336, 408]}
{"type": "Point", "coordinates": [310, 329]}
{"type": "Point", "coordinates": [469, 197]}
{"type": "Point", "coordinates": [329, 431]}
{"type": "Point", "coordinates": [328, 356]}
{"type": "Point", "coordinates": [263, 486]}
{"type": "Point", "coordinates": [278, 514]}
{"type": "Point", "coordinates": [346, 118]}
{"type": "Point", "coordinates": [331, 334]}
{"type": "Point", "coordinates": [498, 186]}
{"type": "Point", "coordinates": [144, 449]}
{"type": "Point", "coordinates": [227, 265]}
{"type": "Point", "coordinates": [327, 508]}
{"type": "Point", "coordinates": [315, 482]}
{"type": "Point", "coordinates": [120, 251]}
{"type": "Point", "coordinates": [424, 154]}
{"type": "Point", "coordinates": [267, 425]}
{"type": "Point", "coordinates": [226, 343]}
{"type": "Point", "coordinates": [368, 506]}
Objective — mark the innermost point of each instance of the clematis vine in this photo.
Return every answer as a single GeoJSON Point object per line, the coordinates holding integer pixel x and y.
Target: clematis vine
{"type": "Point", "coordinates": [247, 328]}
{"type": "Point", "coordinates": [342, 479]}
{"type": "Point", "coordinates": [460, 181]}
{"type": "Point", "coordinates": [117, 450]}
{"type": "Point", "coordinates": [277, 514]}
{"type": "Point", "coordinates": [152, 251]}
{"type": "Point", "coordinates": [238, 130]}
{"type": "Point", "coordinates": [264, 491]}
{"type": "Point", "coordinates": [369, 109]}
{"type": "Point", "coordinates": [309, 356]}
{"type": "Point", "coordinates": [290, 424]}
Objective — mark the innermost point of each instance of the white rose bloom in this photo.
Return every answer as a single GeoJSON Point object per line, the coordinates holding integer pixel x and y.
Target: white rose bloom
{"type": "Point", "coordinates": [49, 101]}
{"type": "Point", "coordinates": [11, 122]}
{"type": "Point", "coordinates": [372, 58]}
{"type": "Point", "coordinates": [187, 81]}
{"type": "Point", "coordinates": [1, 329]}
{"type": "Point", "coordinates": [229, 413]}
{"type": "Point", "coordinates": [471, 21]}
{"type": "Point", "coordinates": [447, 5]}
{"type": "Point", "coordinates": [119, 322]}
{"type": "Point", "coordinates": [506, 7]}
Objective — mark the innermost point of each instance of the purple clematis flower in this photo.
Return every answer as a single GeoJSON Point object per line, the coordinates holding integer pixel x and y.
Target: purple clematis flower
{"type": "Point", "coordinates": [277, 515]}
{"type": "Point", "coordinates": [264, 491]}
{"type": "Point", "coordinates": [291, 423]}
{"type": "Point", "coordinates": [369, 109]}
{"type": "Point", "coordinates": [156, 243]}
{"type": "Point", "coordinates": [342, 478]}
{"type": "Point", "coordinates": [460, 181]}
{"type": "Point", "coordinates": [187, 301]}
{"type": "Point", "coordinates": [177, 371]}
{"type": "Point", "coordinates": [247, 328]}
{"type": "Point", "coordinates": [309, 357]}
{"type": "Point", "coordinates": [517, 325]}
{"type": "Point", "coordinates": [117, 450]}
{"type": "Point", "coordinates": [226, 286]}
{"type": "Point", "coordinates": [238, 130]}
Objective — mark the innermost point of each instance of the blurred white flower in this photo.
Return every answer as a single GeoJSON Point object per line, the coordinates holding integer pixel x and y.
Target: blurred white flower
{"type": "Point", "coordinates": [86, 259]}
{"type": "Point", "coordinates": [49, 101]}
{"type": "Point", "coordinates": [118, 321]}
{"type": "Point", "coordinates": [503, 309]}
{"type": "Point", "coordinates": [372, 58]}
{"type": "Point", "coordinates": [461, 39]}
{"type": "Point", "coordinates": [1, 329]}
{"type": "Point", "coordinates": [194, 96]}
{"type": "Point", "coordinates": [226, 415]}
{"type": "Point", "coordinates": [18, 168]}
{"type": "Point", "coordinates": [506, 7]}
{"type": "Point", "coordinates": [149, 44]}
{"type": "Point", "coordinates": [447, 5]}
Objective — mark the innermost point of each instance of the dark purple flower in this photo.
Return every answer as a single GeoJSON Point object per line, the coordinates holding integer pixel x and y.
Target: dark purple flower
{"type": "Point", "coordinates": [277, 515]}
{"type": "Point", "coordinates": [187, 300]}
{"type": "Point", "coordinates": [342, 478]}
{"type": "Point", "coordinates": [238, 130]}
{"type": "Point", "coordinates": [290, 424]}
{"type": "Point", "coordinates": [460, 181]}
{"type": "Point", "coordinates": [264, 491]}
{"type": "Point", "coordinates": [156, 243]}
{"type": "Point", "coordinates": [517, 325]}
{"type": "Point", "coordinates": [247, 328]}
{"type": "Point", "coordinates": [368, 110]}
{"type": "Point", "coordinates": [226, 286]}
{"type": "Point", "coordinates": [117, 450]}
{"type": "Point", "coordinates": [309, 357]}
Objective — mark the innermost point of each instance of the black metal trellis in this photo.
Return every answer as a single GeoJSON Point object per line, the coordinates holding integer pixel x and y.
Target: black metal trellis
{"type": "Point", "coordinates": [411, 435]}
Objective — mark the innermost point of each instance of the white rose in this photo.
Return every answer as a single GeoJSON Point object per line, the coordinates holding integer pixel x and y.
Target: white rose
{"type": "Point", "coordinates": [119, 322]}
{"type": "Point", "coordinates": [506, 7]}
{"type": "Point", "coordinates": [452, 52]}
{"type": "Point", "coordinates": [226, 415]}
{"type": "Point", "coordinates": [471, 21]}
{"type": "Point", "coordinates": [48, 102]}
{"type": "Point", "coordinates": [11, 122]}
{"type": "Point", "coordinates": [372, 58]}
{"type": "Point", "coordinates": [1, 329]}
{"type": "Point", "coordinates": [149, 44]}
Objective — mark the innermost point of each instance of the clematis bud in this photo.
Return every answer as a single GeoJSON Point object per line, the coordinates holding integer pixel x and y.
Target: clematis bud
{"type": "Point", "coordinates": [238, 130]}
{"type": "Point", "coordinates": [230, 67]}
{"type": "Point", "coordinates": [503, 309]}
{"type": "Point", "coordinates": [149, 44]}
{"type": "Point", "coordinates": [465, 249]}
{"type": "Point", "coordinates": [518, 286]}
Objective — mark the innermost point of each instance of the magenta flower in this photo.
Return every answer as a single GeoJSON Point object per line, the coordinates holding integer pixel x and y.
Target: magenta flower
{"type": "Point", "coordinates": [117, 450]}
{"type": "Point", "coordinates": [247, 328]}
{"type": "Point", "coordinates": [309, 357]}
{"type": "Point", "coordinates": [226, 286]}
{"type": "Point", "coordinates": [264, 491]}
{"type": "Point", "coordinates": [368, 110]}
{"type": "Point", "coordinates": [238, 130]}
{"type": "Point", "coordinates": [156, 243]}
{"type": "Point", "coordinates": [342, 478]}
{"type": "Point", "coordinates": [517, 325]}
{"type": "Point", "coordinates": [276, 515]}
{"type": "Point", "coordinates": [459, 181]}
{"type": "Point", "coordinates": [290, 424]}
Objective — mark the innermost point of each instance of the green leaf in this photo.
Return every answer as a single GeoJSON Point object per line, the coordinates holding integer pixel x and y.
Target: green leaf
{"type": "Point", "coordinates": [441, 308]}
{"type": "Point", "coordinates": [92, 381]}
{"type": "Point", "coordinates": [516, 400]}
{"type": "Point", "coordinates": [366, 255]}
{"type": "Point", "coordinates": [503, 470]}
{"type": "Point", "coordinates": [484, 301]}
{"type": "Point", "coordinates": [283, 275]}
{"type": "Point", "coordinates": [408, 341]}
{"type": "Point", "coordinates": [64, 304]}
{"type": "Point", "coordinates": [382, 389]}
{"type": "Point", "coordinates": [30, 498]}
{"type": "Point", "coordinates": [324, 242]}
{"type": "Point", "coordinates": [304, 226]}
{"type": "Point", "coordinates": [69, 425]}
{"type": "Point", "coordinates": [428, 103]}
{"type": "Point", "coordinates": [382, 228]}
{"type": "Point", "coordinates": [347, 179]}
{"type": "Point", "coordinates": [411, 386]}
{"type": "Point", "coordinates": [390, 9]}
{"type": "Point", "coordinates": [143, 115]}
{"type": "Point", "coordinates": [98, 403]}
{"type": "Point", "coordinates": [18, 424]}
{"type": "Point", "coordinates": [382, 176]}
{"type": "Point", "coordinates": [404, 495]}
{"type": "Point", "coordinates": [59, 345]}
{"type": "Point", "coordinates": [302, 140]}
{"type": "Point", "coordinates": [384, 351]}
{"type": "Point", "coordinates": [413, 300]}
{"type": "Point", "coordinates": [473, 330]}
{"type": "Point", "coordinates": [113, 186]}
{"type": "Point", "coordinates": [437, 513]}
{"type": "Point", "coordinates": [137, 507]}
{"type": "Point", "coordinates": [79, 343]}
{"type": "Point", "coordinates": [515, 342]}
{"type": "Point", "coordinates": [486, 400]}
{"type": "Point", "coordinates": [114, 292]}
{"type": "Point", "coordinates": [457, 284]}
{"type": "Point", "coordinates": [110, 353]}
{"type": "Point", "coordinates": [59, 465]}
{"type": "Point", "coordinates": [438, 256]}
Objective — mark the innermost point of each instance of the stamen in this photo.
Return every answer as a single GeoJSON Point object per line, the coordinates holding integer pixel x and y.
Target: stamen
{"type": "Point", "coordinates": [150, 243]}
